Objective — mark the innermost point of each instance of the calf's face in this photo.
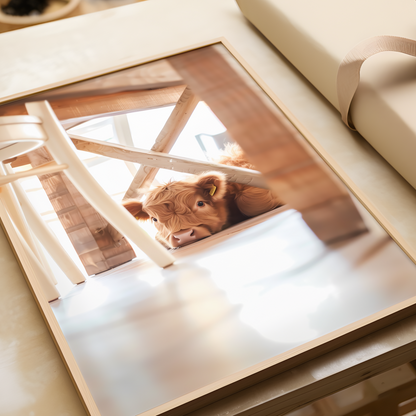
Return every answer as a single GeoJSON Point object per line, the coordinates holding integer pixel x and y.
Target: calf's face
{"type": "Point", "coordinates": [184, 211]}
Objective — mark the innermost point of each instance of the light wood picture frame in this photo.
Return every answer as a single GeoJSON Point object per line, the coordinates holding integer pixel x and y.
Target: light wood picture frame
{"type": "Point", "coordinates": [313, 157]}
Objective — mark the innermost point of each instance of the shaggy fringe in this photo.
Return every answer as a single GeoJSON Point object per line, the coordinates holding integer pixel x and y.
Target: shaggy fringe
{"type": "Point", "coordinates": [233, 155]}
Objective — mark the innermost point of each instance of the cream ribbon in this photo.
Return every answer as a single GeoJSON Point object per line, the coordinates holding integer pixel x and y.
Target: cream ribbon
{"type": "Point", "coordinates": [348, 76]}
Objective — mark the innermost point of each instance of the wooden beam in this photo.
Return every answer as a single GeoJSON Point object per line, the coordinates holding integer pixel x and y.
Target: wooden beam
{"type": "Point", "coordinates": [151, 76]}
{"type": "Point", "coordinates": [84, 108]}
{"type": "Point", "coordinates": [165, 161]}
{"type": "Point", "coordinates": [165, 141]}
{"type": "Point", "coordinates": [291, 167]}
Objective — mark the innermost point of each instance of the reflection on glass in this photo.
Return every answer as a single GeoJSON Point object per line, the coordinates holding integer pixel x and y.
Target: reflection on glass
{"type": "Point", "coordinates": [90, 297]}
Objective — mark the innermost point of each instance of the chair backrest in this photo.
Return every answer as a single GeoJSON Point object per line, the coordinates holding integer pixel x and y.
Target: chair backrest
{"type": "Point", "coordinates": [19, 135]}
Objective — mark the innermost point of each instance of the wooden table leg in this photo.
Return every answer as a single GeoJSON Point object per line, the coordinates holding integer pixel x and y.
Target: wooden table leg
{"type": "Point", "coordinates": [291, 167]}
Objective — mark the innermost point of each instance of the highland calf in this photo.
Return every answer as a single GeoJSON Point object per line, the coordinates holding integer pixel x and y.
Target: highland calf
{"type": "Point", "coordinates": [189, 210]}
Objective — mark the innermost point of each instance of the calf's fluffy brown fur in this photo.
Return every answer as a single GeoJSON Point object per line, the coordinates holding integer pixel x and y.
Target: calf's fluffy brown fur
{"type": "Point", "coordinates": [188, 204]}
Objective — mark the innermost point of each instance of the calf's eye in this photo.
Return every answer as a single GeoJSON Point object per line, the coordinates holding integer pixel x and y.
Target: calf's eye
{"type": "Point", "coordinates": [154, 219]}
{"type": "Point", "coordinates": [200, 203]}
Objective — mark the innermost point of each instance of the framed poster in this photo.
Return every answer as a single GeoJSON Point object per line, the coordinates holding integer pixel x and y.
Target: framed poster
{"type": "Point", "coordinates": [244, 303]}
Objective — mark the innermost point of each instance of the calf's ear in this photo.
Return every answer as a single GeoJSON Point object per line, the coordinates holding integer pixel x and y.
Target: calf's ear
{"type": "Point", "coordinates": [213, 184]}
{"type": "Point", "coordinates": [136, 209]}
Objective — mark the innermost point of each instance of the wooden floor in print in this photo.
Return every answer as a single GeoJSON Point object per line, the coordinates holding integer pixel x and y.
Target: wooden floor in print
{"type": "Point", "coordinates": [143, 336]}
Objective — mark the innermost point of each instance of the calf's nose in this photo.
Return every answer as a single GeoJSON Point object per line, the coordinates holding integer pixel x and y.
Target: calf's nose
{"type": "Point", "coordinates": [184, 236]}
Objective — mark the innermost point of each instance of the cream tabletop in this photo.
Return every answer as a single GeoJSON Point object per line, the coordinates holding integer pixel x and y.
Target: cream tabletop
{"type": "Point", "coordinates": [33, 378]}
{"type": "Point", "coordinates": [84, 7]}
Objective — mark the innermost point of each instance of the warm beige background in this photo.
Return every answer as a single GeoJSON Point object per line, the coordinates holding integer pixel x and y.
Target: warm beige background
{"type": "Point", "coordinates": [41, 56]}
{"type": "Point", "coordinates": [85, 7]}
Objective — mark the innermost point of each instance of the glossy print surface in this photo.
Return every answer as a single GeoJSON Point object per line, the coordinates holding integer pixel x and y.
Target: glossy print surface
{"type": "Point", "coordinates": [76, 48]}
{"type": "Point", "coordinates": [144, 336]}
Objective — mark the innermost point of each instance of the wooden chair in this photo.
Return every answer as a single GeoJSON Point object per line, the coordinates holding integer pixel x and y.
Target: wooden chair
{"type": "Point", "coordinates": [20, 134]}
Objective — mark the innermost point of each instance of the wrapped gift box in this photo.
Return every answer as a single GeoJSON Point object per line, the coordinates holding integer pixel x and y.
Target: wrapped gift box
{"type": "Point", "coordinates": [321, 37]}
